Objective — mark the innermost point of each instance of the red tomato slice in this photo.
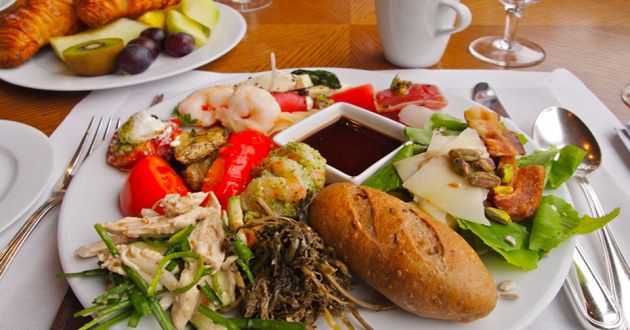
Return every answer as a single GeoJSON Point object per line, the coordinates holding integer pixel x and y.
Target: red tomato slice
{"type": "Point", "coordinates": [361, 96]}
{"type": "Point", "coordinates": [290, 101]}
{"type": "Point", "coordinates": [150, 180]}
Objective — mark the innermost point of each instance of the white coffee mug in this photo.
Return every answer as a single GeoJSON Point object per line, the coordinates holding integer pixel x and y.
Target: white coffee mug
{"type": "Point", "coordinates": [414, 33]}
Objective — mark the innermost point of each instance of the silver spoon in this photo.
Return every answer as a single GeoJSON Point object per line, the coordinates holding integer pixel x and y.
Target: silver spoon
{"type": "Point", "coordinates": [560, 127]}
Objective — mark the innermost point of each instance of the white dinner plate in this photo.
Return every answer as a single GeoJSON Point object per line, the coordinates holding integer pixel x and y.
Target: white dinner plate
{"type": "Point", "coordinates": [46, 71]}
{"type": "Point", "coordinates": [5, 4]}
{"type": "Point", "coordinates": [26, 158]}
{"type": "Point", "coordinates": [93, 198]}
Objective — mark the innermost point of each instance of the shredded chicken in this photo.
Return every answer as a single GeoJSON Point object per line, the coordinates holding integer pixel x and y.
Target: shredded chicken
{"type": "Point", "coordinates": [185, 303]}
{"type": "Point", "coordinates": [92, 250]}
{"type": "Point", "coordinates": [144, 261]}
{"type": "Point", "coordinates": [207, 239]}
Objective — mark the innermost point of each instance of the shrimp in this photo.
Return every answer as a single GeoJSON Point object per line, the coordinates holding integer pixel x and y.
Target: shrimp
{"type": "Point", "coordinates": [203, 104]}
{"type": "Point", "coordinates": [282, 195]}
{"type": "Point", "coordinates": [249, 107]}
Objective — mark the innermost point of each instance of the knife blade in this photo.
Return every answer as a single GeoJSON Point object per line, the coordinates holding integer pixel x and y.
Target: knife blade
{"type": "Point", "coordinates": [484, 94]}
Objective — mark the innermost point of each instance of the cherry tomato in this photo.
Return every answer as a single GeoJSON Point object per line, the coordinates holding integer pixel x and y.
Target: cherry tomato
{"type": "Point", "coordinates": [361, 96]}
{"type": "Point", "coordinates": [150, 180]}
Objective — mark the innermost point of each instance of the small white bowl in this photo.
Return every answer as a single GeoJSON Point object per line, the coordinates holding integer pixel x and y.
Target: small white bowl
{"type": "Point", "coordinates": [330, 115]}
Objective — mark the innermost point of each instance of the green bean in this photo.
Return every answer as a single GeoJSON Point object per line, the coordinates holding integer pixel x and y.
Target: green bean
{"type": "Point", "coordinates": [104, 313]}
{"type": "Point", "coordinates": [217, 318]}
{"type": "Point", "coordinates": [181, 234]}
{"type": "Point", "coordinates": [85, 273]}
{"type": "Point", "coordinates": [243, 251]}
{"type": "Point", "coordinates": [120, 288]}
{"type": "Point", "coordinates": [119, 317]}
{"type": "Point", "coordinates": [245, 268]}
{"type": "Point", "coordinates": [134, 319]}
{"type": "Point", "coordinates": [99, 308]}
{"type": "Point", "coordinates": [259, 324]}
{"type": "Point", "coordinates": [212, 296]}
{"type": "Point", "coordinates": [169, 257]}
{"type": "Point", "coordinates": [139, 302]}
{"type": "Point", "coordinates": [111, 246]}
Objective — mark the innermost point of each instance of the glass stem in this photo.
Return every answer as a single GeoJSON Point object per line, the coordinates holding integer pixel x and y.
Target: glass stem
{"type": "Point", "coordinates": [512, 16]}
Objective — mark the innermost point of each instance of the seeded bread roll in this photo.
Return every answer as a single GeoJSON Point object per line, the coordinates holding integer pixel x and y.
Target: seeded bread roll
{"type": "Point", "coordinates": [419, 263]}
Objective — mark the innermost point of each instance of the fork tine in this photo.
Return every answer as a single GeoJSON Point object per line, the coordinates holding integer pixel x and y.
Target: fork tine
{"type": "Point", "coordinates": [109, 125]}
{"type": "Point", "coordinates": [93, 143]}
{"type": "Point", "coordinates": [118, 124]}
{"type": "Point", "coordinates": [75, 158]}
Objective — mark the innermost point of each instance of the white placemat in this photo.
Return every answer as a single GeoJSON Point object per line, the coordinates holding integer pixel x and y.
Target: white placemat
{"type": "Point", "coordinates": [31, 295]}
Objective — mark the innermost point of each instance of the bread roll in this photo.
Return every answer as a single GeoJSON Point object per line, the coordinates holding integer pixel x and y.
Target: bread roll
{"type": "Point", "coordinates": [29, 27]}
{"type": "Point", "coordinates": [419, 263]}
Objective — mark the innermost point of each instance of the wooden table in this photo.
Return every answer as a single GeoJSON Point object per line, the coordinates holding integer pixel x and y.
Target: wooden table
{"type": "Point", "coordinates": [590, 38]}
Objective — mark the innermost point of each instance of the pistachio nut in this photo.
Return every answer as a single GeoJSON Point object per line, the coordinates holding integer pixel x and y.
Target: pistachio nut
{"type": "Point", "coordinates": [498, 215]}
{"type": "Point", "coordinates": [503, 190]}
{"type": "Point", "coordinates": [484, 180]}
{"type": "Point", "coordinates": [507, 173]}
{"type": "Point", "coordinates": [469, 155]}
{"type": "Point", "coordinates": [485, 164]}
{"type": "Point", "coordinates": [460, 166]}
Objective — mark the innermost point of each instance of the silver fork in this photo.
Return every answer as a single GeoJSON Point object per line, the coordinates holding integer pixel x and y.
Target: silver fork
{"type": "Point", "coordinates": [80, 155]}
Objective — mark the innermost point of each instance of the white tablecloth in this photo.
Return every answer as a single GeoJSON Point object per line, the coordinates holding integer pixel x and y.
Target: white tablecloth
{"type": "Point", "coordinates": [31, 295]}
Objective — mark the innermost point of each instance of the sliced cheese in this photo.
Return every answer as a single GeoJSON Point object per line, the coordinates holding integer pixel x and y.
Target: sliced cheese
{"type": "Point", "coordinates": [438, 143]}
{"type": "Point", "coordinates": [438, 184]}
{"type": "Point", "coordinates": [468, 138]}
{"type": "Point", "coordinates": [408, 166]}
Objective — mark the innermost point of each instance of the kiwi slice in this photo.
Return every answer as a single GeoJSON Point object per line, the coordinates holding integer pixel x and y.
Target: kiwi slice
{"type": "Point", "coordinates": [95, 57]}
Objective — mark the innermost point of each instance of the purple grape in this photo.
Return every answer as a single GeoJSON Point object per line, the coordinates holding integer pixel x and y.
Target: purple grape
{"type": "Point", "coordinates": [156, 34]}
{"type": "Point", "coordinates": [179, 44]}
{"type": "Point", "coordinates": [148, 43]}
{"type": "Point", "coordinates": [134, 59]}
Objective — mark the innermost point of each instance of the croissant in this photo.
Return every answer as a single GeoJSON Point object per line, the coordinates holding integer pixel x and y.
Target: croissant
{"type": "Point", "coordinates": [95, 13]}
{"type": "Point", "coordinates": [27, 28]}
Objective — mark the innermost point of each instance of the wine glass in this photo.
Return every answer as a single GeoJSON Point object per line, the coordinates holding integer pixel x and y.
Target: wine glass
{"type": "Point", "coordinates": [625, 95]}
{"type": "Point", "coordinates": [245, 6]}
{"type": "Point", "coordinates": [509, 51]}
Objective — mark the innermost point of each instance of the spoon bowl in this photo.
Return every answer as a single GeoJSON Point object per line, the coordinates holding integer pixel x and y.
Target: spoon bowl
{"type": "Point", "coordinates": [560, 127]}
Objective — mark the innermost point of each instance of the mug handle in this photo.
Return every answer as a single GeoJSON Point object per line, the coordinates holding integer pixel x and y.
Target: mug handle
{"type": "Point", "coordinates": [463, 13]}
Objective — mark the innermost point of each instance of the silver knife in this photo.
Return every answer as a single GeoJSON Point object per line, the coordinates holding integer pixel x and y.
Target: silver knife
{"type": "Point", "coordinates": [484, 94]}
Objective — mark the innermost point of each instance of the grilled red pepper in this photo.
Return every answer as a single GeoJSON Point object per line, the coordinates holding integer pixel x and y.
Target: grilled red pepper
{"type": "Point", "coordinates": [291, 101]}
{"type": "Point", "coordinates": [361, 96]}
{"type": "Point", "coordinates": [231, 171]}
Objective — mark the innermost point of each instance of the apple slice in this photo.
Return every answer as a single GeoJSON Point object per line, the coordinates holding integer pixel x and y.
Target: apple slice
{"type": "Point", "coordinates": [153, 18]}
{"type": "Point", "coordinates": [204, 12]}
{"type": "Point", "coordinates": [123, 28]}
{"type": "Point", "coordinates": [178, 22]}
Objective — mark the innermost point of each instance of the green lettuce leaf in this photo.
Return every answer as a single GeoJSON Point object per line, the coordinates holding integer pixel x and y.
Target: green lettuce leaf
{"type": "Point", "coordinates": [442, 120]}
{"type": "Point", "coordinates": [420, 136]}
{"type": "Point", "coordinates": [559, 164]}
{"type": "Point", "coordinates": [386, 178]}
{"type": "Point", "coordinates": [494, 236]}
{"type": "Point", "coordinates": [556, 220]}
{"type": "Point", "coordinates": [564, 167]}
{"type": "Point", "coordinates": [320, 77]}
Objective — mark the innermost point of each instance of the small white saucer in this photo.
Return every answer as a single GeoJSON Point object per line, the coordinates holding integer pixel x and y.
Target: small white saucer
{"type": "Point", "coordinates": [26, 160]}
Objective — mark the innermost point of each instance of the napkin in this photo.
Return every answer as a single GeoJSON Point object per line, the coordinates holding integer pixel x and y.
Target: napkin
{"type": "Point", "coordinates": [31, 295]}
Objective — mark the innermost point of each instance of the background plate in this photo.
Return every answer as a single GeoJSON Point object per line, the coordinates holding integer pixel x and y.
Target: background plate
{"type": "Point", "coordinates": [46, 71]}
{"type": "Point", "coordinates": [26, 158]}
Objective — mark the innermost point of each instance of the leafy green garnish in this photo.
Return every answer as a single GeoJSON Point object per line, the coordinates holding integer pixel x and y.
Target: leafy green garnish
{"type": "Point", "coordinates": [559, 164]}
{"type": "Point", "coordinates": [185, 120]}
{"type": "Point", "coordinates": [522, 138]}
{"type": "Point", "coordinates": [386, 178]}
{"type": "Point", "coordinates": [494, 236]}
{"type": "Point", "coordinates": [320, 77]}
{"type": "Point", "coordinates": [419, 135]}
{"type": "Point", "coordinates": [556, 220]}
{"type": "Point", "coordinates": [563, 168]}
{"type": "Point", "coordinates": [442, 120]}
